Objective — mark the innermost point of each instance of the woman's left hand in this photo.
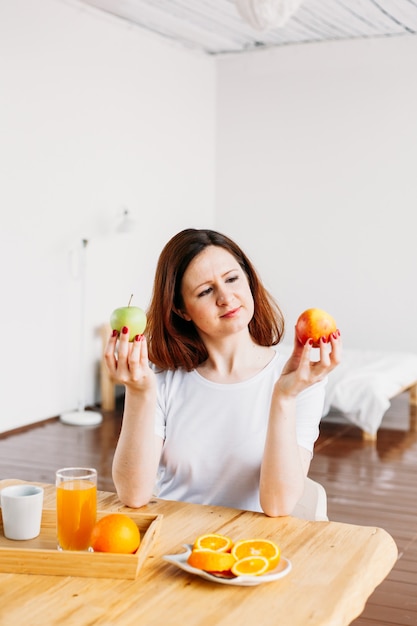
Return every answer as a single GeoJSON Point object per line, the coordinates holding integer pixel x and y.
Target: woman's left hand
{"type": "Point", "coordinates": [301, 372]}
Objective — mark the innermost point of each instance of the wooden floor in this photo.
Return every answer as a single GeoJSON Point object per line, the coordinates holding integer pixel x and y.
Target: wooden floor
{"type": "Point", "coordinates": [371, 484]}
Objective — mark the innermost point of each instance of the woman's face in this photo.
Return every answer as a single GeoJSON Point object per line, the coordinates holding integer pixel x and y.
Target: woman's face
{"type": "Point", "coordinates": [216, 294]}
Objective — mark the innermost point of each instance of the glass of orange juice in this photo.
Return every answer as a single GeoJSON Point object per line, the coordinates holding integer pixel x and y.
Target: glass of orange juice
{"type": "Point", "coordinates": [76, 507]}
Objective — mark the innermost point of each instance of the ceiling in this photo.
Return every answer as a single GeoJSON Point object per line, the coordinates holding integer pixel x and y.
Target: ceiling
{"type": "Point", "coordinates": [216, 27]}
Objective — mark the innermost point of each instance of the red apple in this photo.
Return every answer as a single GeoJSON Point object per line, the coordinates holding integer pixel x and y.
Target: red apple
{"type": "Point", "coordinates": [314, 324]}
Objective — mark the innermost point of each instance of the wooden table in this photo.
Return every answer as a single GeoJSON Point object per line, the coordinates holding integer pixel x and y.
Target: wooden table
{"type": "Point", "coordinates": [335, 568]}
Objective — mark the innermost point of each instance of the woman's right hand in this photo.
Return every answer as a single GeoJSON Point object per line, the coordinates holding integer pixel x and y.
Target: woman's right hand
{"type": "Point", "coordinates": [128, 362]}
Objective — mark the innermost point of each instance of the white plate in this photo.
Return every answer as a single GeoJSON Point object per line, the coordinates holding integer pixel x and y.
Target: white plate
{"type": "Point", "coordinates": [180, 560]}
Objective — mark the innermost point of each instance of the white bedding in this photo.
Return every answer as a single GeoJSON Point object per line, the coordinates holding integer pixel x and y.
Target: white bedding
{"type": "Point", "coordinates": [363, 384]}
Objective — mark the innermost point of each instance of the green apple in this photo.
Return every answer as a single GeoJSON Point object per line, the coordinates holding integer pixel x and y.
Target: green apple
{"type": "Point", "coordinates": [131, 316]}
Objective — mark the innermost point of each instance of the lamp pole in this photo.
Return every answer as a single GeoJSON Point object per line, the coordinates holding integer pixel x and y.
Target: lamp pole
{"type": "Point", "coordinates": [81, 417]}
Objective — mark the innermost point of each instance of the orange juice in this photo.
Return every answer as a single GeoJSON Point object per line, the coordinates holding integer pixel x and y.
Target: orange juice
{"type": "Point", "coordinates": [76, 506]}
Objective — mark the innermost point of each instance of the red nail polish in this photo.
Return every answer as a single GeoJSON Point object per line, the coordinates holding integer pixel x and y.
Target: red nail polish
{"type": "Point", "coordinates": [138, 337]}
{"type": "Point", "coordinates": [310, 342]}
{"type": "Point", "coordinates": [125, 330]}
{"type": "Point", "coordinates": [324, 339]}
{"type": "Point", "coordinates": [114, 333]}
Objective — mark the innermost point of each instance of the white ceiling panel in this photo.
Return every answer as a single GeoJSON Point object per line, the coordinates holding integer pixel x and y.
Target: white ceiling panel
{"type": "Point", "coordinates": [216, 27]}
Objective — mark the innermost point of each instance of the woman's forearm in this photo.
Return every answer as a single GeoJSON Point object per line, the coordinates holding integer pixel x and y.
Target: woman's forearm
{"type": "Point", "coordinates": [136, 457]}
{"type": "Point", "coordinates": [284, 466]}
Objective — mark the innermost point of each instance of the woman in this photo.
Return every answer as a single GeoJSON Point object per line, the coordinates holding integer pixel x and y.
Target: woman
{"type": "Point", "coordinates": [219, 417]}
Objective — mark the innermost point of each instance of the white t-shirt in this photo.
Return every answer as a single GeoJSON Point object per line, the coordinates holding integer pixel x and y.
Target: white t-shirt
{"type": "Point", "coordinates": [214, 434]}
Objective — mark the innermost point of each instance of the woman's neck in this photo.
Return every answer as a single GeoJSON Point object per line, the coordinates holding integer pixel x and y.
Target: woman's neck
{"type": "Point", "coordinates": [234, 360]}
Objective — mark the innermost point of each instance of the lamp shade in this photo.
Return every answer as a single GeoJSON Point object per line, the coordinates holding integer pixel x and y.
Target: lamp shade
{"type": "Point", "coordinates": [127, 223]}
{"type": "Point", "coordinates": [264, 14]}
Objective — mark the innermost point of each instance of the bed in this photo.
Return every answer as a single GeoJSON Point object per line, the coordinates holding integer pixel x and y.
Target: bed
{"type": "Point", "coordinates": [365, 382]}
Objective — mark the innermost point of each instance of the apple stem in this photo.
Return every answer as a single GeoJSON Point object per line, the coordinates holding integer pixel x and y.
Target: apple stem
{"type": "Point", "coordinates": [130, 300]}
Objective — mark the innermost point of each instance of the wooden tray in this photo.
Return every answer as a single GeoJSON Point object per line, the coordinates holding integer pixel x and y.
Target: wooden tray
{"type": "Point", "coordinates": [41, 556]}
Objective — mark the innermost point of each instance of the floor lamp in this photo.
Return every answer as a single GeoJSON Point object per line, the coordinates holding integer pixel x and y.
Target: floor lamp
{"type": "Point", "coordinates": [81, 417]}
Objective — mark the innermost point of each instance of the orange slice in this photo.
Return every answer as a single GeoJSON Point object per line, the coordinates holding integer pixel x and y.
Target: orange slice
{"type": "Point", "coordinates": [211, 561]}
{"type": "Point", "coordinates": [251, 566]}
{"type": "Point", "coordinates": [218, 543]}
{"type": "Point", "coordinates": [257, 547]}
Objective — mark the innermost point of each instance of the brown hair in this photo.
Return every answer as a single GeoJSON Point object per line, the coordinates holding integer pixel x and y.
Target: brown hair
{"type": "Point", "coordinates": [174, 342]}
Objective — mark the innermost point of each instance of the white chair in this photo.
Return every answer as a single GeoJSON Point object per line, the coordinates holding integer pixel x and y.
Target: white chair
{"type": "Point", "coordinates": [313, 503]}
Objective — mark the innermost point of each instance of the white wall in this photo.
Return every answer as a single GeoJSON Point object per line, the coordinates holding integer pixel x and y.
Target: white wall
{"type": "Point", "coordinates": [95, 116]}
{"type": "Point", "coordinates": [316, 177]}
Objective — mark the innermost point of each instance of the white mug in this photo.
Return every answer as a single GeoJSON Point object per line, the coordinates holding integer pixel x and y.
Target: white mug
{"type": "Point", "coordinates": [21, 509]}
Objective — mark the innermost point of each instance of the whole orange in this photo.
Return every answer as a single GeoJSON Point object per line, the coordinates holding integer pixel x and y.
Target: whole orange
{"type": "Point", "coordinates": [314, 324]}
{"type": "Point", "coordinates": [115, 532]}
